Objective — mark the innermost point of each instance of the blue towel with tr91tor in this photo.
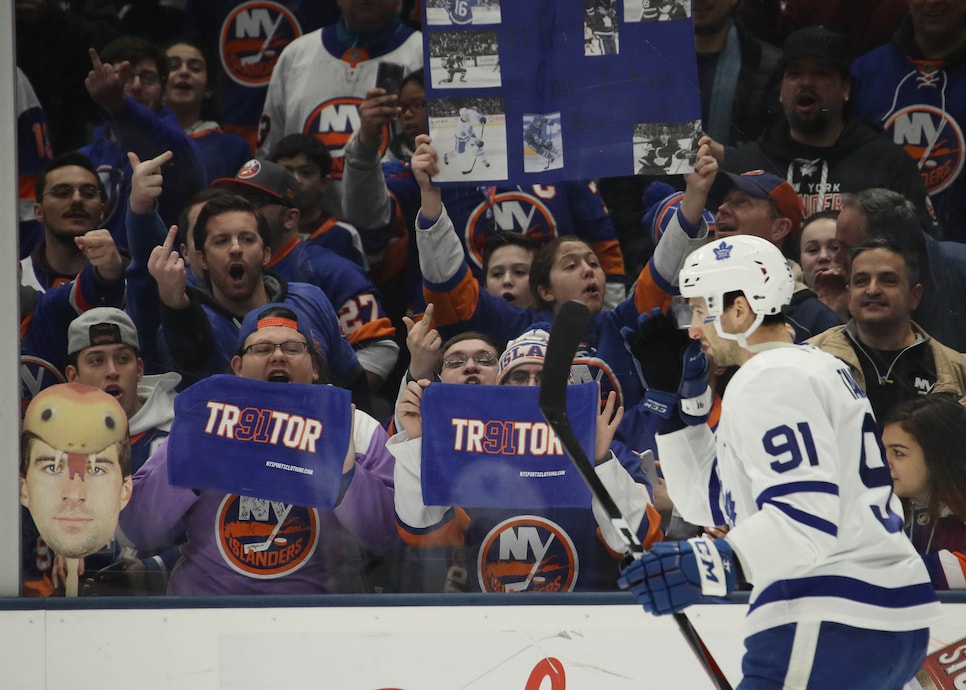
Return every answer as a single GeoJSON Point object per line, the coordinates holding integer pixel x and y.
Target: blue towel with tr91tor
{"type": "Point", "coordinates": [490, 447]}
{"type": "Point", "coordinates": [277, 441]}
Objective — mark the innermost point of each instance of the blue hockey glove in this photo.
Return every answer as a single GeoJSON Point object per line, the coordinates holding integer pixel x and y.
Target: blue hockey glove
{"type": "Point", "coordinates": [693, 400]}
{"type": "Point", "coordinates": [675, 574]}
{"type": "Point", "coordinates": [694, 391]}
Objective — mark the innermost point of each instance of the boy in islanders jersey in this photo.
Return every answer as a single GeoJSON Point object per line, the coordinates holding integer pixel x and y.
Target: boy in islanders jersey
{"type": "Point", "coordinates": [467, 549]}
{"type": "Point", "coordinates": [840, 598]}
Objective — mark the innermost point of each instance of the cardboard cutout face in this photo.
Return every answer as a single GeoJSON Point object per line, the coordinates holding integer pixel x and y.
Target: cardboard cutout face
{"type": "Point", "coordinates": [75, 474]}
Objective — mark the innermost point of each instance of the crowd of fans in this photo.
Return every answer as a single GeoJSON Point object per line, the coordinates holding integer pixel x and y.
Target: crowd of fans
{"type": "Point", "coordinates": [179, 221]}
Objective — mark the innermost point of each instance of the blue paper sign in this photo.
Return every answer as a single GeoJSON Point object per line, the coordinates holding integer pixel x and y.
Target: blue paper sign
{"type": "Point", "coordinates": [490, 447]}
{"type": "Point", "coordinates": [282, 442]}
{"type": "Point", "coordinates": [541, 91]}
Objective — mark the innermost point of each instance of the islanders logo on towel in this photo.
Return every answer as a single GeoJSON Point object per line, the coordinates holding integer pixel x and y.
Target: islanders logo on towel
{"type": "Point", "coordinates": [527, 553]}
{"type": "Point", "coordinates": [265, 539]}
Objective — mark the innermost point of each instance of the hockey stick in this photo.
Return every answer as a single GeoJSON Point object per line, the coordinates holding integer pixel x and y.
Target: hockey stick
{"type": "Point", "coordinates": [479, 138]}
{"type": "Point", "coordinates": [569, 325]}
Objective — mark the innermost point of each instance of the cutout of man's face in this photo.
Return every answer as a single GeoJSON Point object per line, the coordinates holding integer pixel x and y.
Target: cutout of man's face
{"type": "Point", "coordinates": [75, 472]}
{"type": "Point", "coordinates": [74, 498]}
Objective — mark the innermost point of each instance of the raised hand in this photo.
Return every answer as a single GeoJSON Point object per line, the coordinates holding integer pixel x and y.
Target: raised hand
{"type": "Point", "coordinates": [146, 181]}
{"type": "Point", "coordinates": [376, 111]}
{"type": "Point", "coordinates": [168, 269]}
{"type": "Point", "coordinates": [698, 184]}
{"type": "Point", "coordinates": [409, 410]}
{"type": "Point", "coordinates": [425, 164]}
{"type": "Point", "coordinates": [105, 83]}
{"type": "Point", "coordinates": [99, 249]}
{"type": "Point", "coordinates": [424, 343]}
{"type": "Point", "coordinates": [608, 419]}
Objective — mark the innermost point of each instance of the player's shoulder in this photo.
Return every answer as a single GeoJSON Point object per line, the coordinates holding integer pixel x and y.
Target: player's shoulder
{"type": "Point", "coordinates": [783, 367]}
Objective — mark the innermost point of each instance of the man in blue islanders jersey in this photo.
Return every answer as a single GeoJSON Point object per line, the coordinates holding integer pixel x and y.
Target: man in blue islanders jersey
{"type": "Point", "coordinates": [840, 597]}
{"type": "Point", "coordinates": [460, 12]}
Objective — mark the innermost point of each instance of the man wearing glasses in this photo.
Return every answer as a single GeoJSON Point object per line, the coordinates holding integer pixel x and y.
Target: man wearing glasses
{"type": "Point", "coordinates": [127, 82]}
{"type": "Point", "coordinates": [234, 544]}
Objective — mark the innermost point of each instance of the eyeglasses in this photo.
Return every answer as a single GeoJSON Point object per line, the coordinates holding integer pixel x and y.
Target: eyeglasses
{"type": "Point", "coordinates": [523, 378]}
{"type": "Point", "coordinates": [88, 192]}
{"type": "Point", "coordinates": [482, 358]}
{"type": "Point", "coordinates": [290, 348]}
{"type": "Point", "coordinates": [147, 78]}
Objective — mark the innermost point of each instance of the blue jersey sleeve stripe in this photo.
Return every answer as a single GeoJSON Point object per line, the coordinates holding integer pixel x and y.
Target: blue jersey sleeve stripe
{"type": "Point", "coordinates": [773, 492]}
{"type": "Point", "coordinates": [806, 519]}
{"type": "Point", "coordinates": [714, 492]}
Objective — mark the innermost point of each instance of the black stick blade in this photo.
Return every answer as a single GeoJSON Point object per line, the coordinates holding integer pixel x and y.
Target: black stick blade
{"type": "Point", "coordinates": [569, 326]}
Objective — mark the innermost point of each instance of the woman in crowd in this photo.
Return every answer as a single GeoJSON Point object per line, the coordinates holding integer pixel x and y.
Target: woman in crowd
{"type": "Point", "coordinates": [924, 440]}
{"type": "Point", "coordinates": [187, 94]}
{"type": "Point", "coordinates": [822, 271]}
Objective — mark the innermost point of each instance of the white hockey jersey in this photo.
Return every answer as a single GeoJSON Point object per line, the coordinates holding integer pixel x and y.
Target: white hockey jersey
{"type": "Point", "coordinates": [806, 488]}
{"type": "Point", "coordinates": [319, 83]}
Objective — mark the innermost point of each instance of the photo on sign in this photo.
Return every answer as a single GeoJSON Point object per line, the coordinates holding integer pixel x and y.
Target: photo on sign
{"type": "Point", "coordinates": [464, 59]}
{"type": "Point", "coordinates": [601, 28]}
{"type": "Point", "coordinates": [656, 10]}
{"type": "Point", "coordinates": [665, 148]}
{"type": "Point", "coordinates": [462, 12]}
{"type": "Point", "coordinates": [543, 142]}
{"type": "Point", "coordinates": [469, 135]}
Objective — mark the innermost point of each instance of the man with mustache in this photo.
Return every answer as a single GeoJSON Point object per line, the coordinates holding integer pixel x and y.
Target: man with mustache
{"type": "Point", "coordinates": [818, 148]}
{"type": "Point", "coordinates": [891, 356]}
{"type": "Point", "coordinates": [69, 205]}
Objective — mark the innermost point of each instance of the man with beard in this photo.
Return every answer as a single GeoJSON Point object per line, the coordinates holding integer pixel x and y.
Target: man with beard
{"type": "Point", "coordinates": [275, 192]}
{"type": "Point", "coordinates": [200, 323]}
{"type": "Point", "coordinates": [734, 74]}
{"type": "Point", "coordinates": [818, 149]}
{"type": "Point", "coordinates": [70, 204]}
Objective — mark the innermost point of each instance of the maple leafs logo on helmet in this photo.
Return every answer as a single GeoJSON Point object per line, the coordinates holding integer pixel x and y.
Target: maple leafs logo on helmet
{"type": "Point", "coordinates": [750, 265]}
{"type": "Point", "coordinates": [723, 251]}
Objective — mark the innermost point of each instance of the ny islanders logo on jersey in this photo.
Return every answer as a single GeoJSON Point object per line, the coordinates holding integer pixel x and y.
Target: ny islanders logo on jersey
{"type": "Point", "coordinates": [111, 178]}
{"type": "Point", "coordinates": [513, 211]}
{"type": "Point", "coordinates": [527, 553]}
{"type": "Point", "coordinates": [36, 374]}
{"type": "Point", "coordinates": [586, 368]}
{"type": "Point", "coordinates": [265, 539]}
{"type": "Point", "coordinates": [933, 139]}
{"type": "Point", "coordinates": [333, 123]}
{"type": "Point", "coordinates": [252, 36]}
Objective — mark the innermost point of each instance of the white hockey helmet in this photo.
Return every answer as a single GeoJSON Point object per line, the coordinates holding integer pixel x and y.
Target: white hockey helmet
{"type": "Point", "coordinates": [464, 114]}
{"type": "Point", "coordinates": [741, 263]}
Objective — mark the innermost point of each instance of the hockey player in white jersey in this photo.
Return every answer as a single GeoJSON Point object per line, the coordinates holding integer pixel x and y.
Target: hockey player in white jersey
{"type": "Point", "coordinates": [840, 598]}
{"type": "Point", "coordinates": [466, 139]}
